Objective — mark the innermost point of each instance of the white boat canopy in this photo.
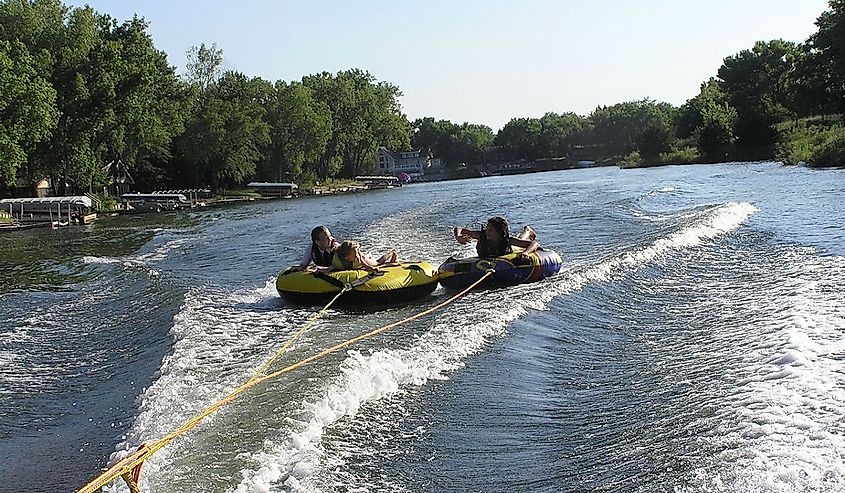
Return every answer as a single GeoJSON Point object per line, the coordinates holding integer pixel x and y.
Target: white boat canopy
{"type": "Point", "coordinates": [260, 184]}
{"type": "Point", "coordinates": [154, 197]}
{"type": "Point", "coordinates": [377, 178]}
{"type": "Point", "coordinates": [80, 200]}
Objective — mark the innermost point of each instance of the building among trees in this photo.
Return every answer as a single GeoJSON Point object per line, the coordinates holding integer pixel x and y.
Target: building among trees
{"type": "Point", "coordinates": [415, 163]}
{"type": "Point", "coordinates": [119, 181]}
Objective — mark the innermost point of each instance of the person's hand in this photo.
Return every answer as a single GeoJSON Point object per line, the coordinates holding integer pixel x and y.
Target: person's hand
{"type": "Point", "coordinates": [460, 236]}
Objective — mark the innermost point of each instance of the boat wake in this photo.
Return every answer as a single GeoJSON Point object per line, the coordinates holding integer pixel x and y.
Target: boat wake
{"type": "Point", "coordinates": [294, 460]}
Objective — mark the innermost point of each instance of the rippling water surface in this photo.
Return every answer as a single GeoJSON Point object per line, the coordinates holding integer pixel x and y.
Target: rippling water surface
{"type": "Point", "coordinates": [694, 342]}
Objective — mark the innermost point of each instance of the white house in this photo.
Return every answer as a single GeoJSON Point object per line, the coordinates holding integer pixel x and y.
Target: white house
{"type": "Point", "coordinates": [414, 163]}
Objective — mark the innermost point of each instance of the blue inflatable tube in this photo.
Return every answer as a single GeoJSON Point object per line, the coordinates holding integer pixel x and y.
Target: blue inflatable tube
{"type": "Point", "coordinates": [509, 270]}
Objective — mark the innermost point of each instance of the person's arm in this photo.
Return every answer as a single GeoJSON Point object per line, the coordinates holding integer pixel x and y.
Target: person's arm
{"type": "Point", "coordinates": [306, 259]}
{"type": "Point", "coordinates": [463, 235]}
{"type": "Point", "coordinates": [527, 246]}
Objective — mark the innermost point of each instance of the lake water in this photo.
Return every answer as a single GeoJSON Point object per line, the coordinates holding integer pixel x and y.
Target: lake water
{"type": "Point", "coordinates": [693, 342]}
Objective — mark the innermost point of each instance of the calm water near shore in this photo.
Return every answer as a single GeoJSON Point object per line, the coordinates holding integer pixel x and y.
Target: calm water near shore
{"type": "Point", "coordinates": [694, 342]}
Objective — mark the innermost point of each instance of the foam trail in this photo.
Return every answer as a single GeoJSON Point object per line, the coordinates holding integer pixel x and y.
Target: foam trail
{"type": "Point", "coordinates": [158, 253]}
{"type": "Point", "coordinates": [213, 352]}
{"type": "Point", "coordinates": [720, 220]}
{"type": "Point", "coordinates": [796, 384]}
{"type": "Point", "coordinates": [295, 461]}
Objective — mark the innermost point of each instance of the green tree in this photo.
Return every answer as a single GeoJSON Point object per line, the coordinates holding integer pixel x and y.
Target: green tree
{"type": "Point", "coordinates": [715, 135]}
{"type": "Point", "coordinates": [27, 108]}
{"type": "Point", "coordinates": [139, 99]}
{"type": "Point", "coordinates": [469, 142]}
{"type": "Point", "coordinates": [558, 133]}
{"type": "Point", "coordinates": [709, 120]}
{"type": "Point", "coordinates": [228, 134]}
{"type": "Point", "coordinates": [115, 95]}
{"type": "Point", "coordinates": [365, 114]}
{"type": "Point", "coordinates": [39, 25]}
{"type": "Point", "coordinates": [520, 138]}
{"type": "Point", "coordinates": [436, 135]}
{"type": "Point", "coordinates": [759, 85]}
{"type": "Point", "coordinates": [300, 130]}
{"type": "Point", "coordinates": [826, 59]}
{"type": "Point", "coordinates": [689, 117]}
{"type": "Point", "coordinates": [553, 135]}
{"type": "Point", "coordinates": [72, 155]}
{"type": "Point", "coordinates": [205, 65]}
{"type": "Point", "coordinates": [622, 128]}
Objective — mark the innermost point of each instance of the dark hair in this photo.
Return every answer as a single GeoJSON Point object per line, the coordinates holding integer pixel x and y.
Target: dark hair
{"type": "Point", "coordinates": [320, 229]}
{"type": "Point", "coordinates": [500, 224]}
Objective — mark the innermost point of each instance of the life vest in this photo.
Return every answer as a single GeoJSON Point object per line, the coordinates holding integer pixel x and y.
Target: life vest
{"type": "Point", "coordinates": [322, 259]}
{"type": "Point", "coordinates": [485, 250]}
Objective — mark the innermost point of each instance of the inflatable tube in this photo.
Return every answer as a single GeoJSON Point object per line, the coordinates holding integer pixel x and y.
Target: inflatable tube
{"type": "Point", "coordinates": [396, 284]}
{"type": "Point", "coordinates": [509, 270]}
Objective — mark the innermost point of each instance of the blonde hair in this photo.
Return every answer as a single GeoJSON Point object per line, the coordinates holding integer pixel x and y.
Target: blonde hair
{"type": "Point", "coordinates": [346, 248]}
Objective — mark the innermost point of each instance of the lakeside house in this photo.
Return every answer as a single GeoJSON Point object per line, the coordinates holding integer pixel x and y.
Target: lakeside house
{"type": "Point", "coordinates": [416, 163]}
{"type": "Point", "coordinates": [23, 188]}
{"type": "Point", "coordinates": [119, 180]}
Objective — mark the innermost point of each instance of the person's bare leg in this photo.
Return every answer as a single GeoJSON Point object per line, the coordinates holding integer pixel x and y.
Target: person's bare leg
{"type": "Point", "coordinates": [388, 258]}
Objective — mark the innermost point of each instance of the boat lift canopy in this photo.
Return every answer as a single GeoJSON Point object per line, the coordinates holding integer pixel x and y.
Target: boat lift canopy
{"type": "Point", "coordinates": [79, 201]}
{"type": "Point", "coordinates": [385, 179]}
{"type": "Point", "coordinates": [47, 203]}
{"type": "Point", "coordinates": [153, 197]}
{"type": "Point", "coordinates": [274, 186]}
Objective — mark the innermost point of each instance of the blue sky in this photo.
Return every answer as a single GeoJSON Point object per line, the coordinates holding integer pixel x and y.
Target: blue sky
{"type": "Point", "coordinates": [482, 61]}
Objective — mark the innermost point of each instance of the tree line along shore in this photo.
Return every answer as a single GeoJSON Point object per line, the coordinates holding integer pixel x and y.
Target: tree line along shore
{"type": "Point", "coordinates": [78, 90]}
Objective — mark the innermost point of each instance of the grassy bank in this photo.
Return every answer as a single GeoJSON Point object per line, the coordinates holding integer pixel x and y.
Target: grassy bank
{"type": "Point", "coordinates": [815, 141]}
{"type": "Point", "coordinates": [687, 155]}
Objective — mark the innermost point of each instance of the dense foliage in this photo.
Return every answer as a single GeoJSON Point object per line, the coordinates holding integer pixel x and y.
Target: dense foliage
{"type": "Point", "coordinates": [79, 90]}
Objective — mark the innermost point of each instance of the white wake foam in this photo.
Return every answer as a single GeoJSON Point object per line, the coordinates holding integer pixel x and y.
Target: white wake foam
{"type": "Point", "coordinates": [790, 434]}
{"type": "Point", "coordinates": [213, 352]}
{"type": "Point", "coordinates": [157, 254]}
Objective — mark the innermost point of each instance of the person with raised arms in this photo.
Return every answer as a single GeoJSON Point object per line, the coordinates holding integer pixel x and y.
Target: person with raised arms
{"type": "Point", "coordinates": [494, 239]}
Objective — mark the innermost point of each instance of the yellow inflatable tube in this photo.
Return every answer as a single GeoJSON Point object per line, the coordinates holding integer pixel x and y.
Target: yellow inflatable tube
{"type": "Point", "coordinates": [395, 284]}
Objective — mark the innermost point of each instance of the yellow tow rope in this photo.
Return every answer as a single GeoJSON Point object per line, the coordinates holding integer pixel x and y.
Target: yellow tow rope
{"type": "Point", "coordinates": [310, 323]}
{"type": "Point", "coordinates": [129, 467]}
